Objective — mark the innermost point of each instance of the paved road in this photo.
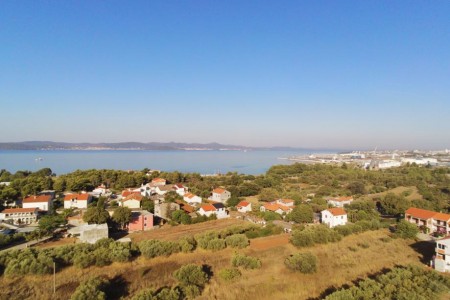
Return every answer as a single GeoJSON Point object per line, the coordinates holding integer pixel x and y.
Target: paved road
{"type": "Point", "coordinates": [27, 244]}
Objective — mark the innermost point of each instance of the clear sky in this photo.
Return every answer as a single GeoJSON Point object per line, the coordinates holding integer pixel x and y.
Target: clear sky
{"type": "Point", "coordinates": [335, 74]}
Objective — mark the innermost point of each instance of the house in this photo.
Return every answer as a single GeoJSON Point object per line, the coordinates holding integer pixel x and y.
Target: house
{"type": "Point", "coordinates": [141, 221]}
{"type": "Point", "coordinates": [77, 201]}
{"type": "Point", "coordinates": [192, 199]}
{"type": "Point", "coordinates": [180, 189]}
{"type": "Point", "coordinates": [429, 220]}
{"type": "Point", "coordinates": [276, 207]}
{"type": "Point", "coordinates": [19, 215]}
{"type": "Point", "coordinates": [186, 207]}
{"type": "Point", "coordinates": [207, 210]}
{"type": "Point", "coordinates": [43, 202]}
{"type": "Point", "coordinates": [285, 202]}
{"type": "Point", "coordinates": [340, 201]}
{"type": "Point", "coordinates": [100, 190]}
{"type": "Point", "coordinates": [442, 256]}
{"type": "Point", "coordinates": [244, 207]}
{"type": "Point", "coordinates": [334, 217]}
{"type": "Point", "coordinates": [220, 195]}
{"type": "Point", "coordinates": [133, 200]}
{"type": "Point", "coordinates": [90, 233]}
{"type": "Point", "coordinates": [164, 209]}
{"type": "Point", "coordinates": [158, 182]}
{"type": "Point", "coordinates": [217, 209]}
{"type": "Point", "coordinates": [163, 189]}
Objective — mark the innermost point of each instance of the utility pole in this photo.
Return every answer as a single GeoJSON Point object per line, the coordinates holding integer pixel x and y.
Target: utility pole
{"type": "Point", "coordinates": [54, 277]}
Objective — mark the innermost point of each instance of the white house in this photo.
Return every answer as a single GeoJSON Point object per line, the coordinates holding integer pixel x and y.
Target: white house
{"type": "Point", "coordinates": [180, 189]}
{"type": "Point", "coordinates": [286, 202]}
{"type": "Point", "coordinates": [100, 190]}
{"type": "Point", "coordinates": [244, 207]}
{"type": "Point", "coordinates": [340, 201]}
{"type": "Point", "coordinates": [217, 209]}
{"type": "Point", "coordinates": [43, 202]}
{"type": "Point", "coordinates": [442, 258]}
{"type": "Point", "coordinates": [163, 189]}
{"type": "Point", "coordinates": [192, 199]}
{"type": "Point", "coordinates": [19, 215]}
{"type": "Point", "coordinates": [220, 195]}
{"type": "Point", "coordinates": [77, 200]}
{"type": "Point", "coordinates": [334, 217]}
{"type": "Point", "coordinates": [132, 200]}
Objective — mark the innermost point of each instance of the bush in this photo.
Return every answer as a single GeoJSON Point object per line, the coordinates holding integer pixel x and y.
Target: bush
{"type": "Point", "coordinates": [203, 239]}
{"type": "Point", "coordinates": [91, 289]}
{"type": "Point", "coordinates": [303, 238]}
{"type": "Point", "coordinates": [187, 244]}
{"type": "Point", "coordinates": [191, 274]}
{"type": "Point", "coordinates": [246, 262]}
{"type": "Point", "coordinates": [216, 244]}
{"type": "Point", "coordinates": [406, 230]}
{"type": "Point", "coordinates": [237, 241]}
{"type": "Point", "coordinates": [302, 262]}
{"type": "Point", "coordinates": [229, 274]}
{"type": "Point", "coordinates": [154, 248]}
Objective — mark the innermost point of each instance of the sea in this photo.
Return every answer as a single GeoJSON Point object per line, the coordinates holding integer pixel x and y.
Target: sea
{"type": "Point", "coordinates": [204, 162]}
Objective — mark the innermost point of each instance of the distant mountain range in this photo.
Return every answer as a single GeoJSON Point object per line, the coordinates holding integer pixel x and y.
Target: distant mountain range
{"type": "Point", "coordinates": [47, 145]}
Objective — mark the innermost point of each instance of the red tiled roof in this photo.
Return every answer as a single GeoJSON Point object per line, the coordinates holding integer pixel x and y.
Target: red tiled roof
{"type": "Point", "coordinates": [158, 180]}
{"type": "Point", "coordinates": [337, 211]}
{"type": "Point", "coordinates": [134, 196]}
{"type": "Point", "coordinates": [79, 197]}
{"type": "Point", "coordinates": [36, 199]}
{"type": "Point", "coordinates": [276, 206]}
{"type": "Point", "coordinates": [218, 190]}
{"type": "Point", "coordinates": [243, 204]}
{"type": "Point", "coordinates": [19, 210]}
{"type": "Point", "coordinates": [420, 213]}
{"type": "Point", "coordinates": [208, 207]}
{"type": "Point", "coordinates": [441, 217]}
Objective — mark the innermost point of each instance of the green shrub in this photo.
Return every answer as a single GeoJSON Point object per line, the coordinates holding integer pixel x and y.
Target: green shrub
{"type": "Point", "coordinates": [154, 248]}
{"type": "Point", "coordinates": [229, 274]}
{"type": "Point", "coordinates": [191, 274]}
{"type": "Point", "coordinates": [302, 262]}
{"type": "Point", "coordinates": [146, 294]}
{"type": "Point", "coordinates": [91, 289]}
{"type": "Point", "coordinates": [246, 262]}
{"type": "Point", "coordinates": [406, 230]}
{"type": "Point", "coordinates": [203, 239]}
{"type": "Point", "coordinates": [187, 244]}
{"type": "Point", "coordinates": [303, 238]}
{"type": "Point", "coordinates": [216, 244]}
{"type": "Point", "coordinates": [237, 241]}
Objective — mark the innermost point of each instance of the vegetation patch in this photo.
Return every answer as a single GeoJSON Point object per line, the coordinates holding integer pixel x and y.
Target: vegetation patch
{"type": "Point", "coordinates": [411, 282]}
{"type": "Point", "coordinates": [302, 262]}
{"type": "Point", "coordinates": [246, 262]}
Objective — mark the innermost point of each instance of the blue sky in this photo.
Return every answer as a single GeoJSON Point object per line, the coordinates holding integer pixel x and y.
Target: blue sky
{"type": "Point", "coordinates": [335, 74]}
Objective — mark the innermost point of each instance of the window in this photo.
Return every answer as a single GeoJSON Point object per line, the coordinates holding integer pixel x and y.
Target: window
{"type": "Point", "coordinates": [441, 246]}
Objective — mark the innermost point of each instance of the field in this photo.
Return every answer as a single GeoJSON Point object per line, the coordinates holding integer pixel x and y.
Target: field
{"type": "Point", "coordinates": [356, 256]}
{"type": "Point", "coordinates": [413, 193]}
{"type": "Point", "coordinates": [173, 233]}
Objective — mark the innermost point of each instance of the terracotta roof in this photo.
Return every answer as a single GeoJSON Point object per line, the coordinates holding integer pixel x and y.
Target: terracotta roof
{"type": "Point", "coordinates": [336, 211]}
{"type": "Point", "coordinates": [219, 190]}
{"type": "Point", "coordinates": [243, 204]}
{"type": "Point", "coordinates": [126, 193]}
{"type": "Point", "coordinates": [190, 195]}
{"type": "Point", "coordinates": [158, 180]}
{"type": "Point", "coordinates": [187, 208]}
{"type": "Point", "coordinates": [134, 196]}
{"type": "Point", "coordinates": [441, 217]}
{"type": "Point", "coordinates": [276, 206]}
{"type": "Point", "coordinates": [36, 199]}
{"type": "Point", "coordinates": [179, 185]}
{"type": "Point", "coordinates": [420, 213]}
{"type": "Point", "coordinates": [208, 207]}
{"type": "Point", "coordinates": [79, 197]}
{"type": "Point", "coordinates": [19, 210]}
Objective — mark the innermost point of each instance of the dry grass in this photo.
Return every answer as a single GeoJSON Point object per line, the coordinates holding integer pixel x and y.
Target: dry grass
{"type": "Point", "coordinates": [338, 265]}
{"type": "Point", "coordinates": [173, 233]}
{"type": "Point", "coordinates": [414, 193]}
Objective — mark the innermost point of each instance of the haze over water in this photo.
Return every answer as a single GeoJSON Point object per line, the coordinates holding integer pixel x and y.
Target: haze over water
{"type": "Point", "coordinates": [204, 162]}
